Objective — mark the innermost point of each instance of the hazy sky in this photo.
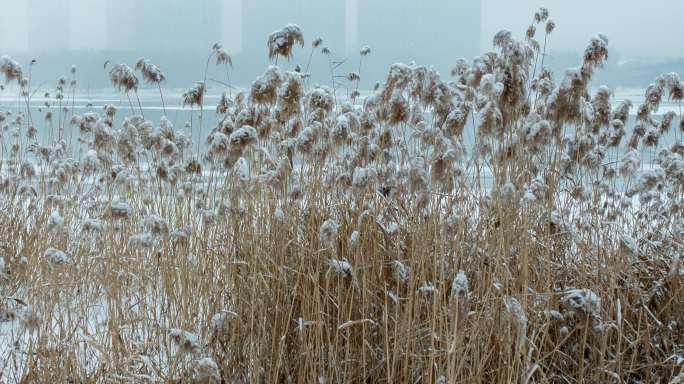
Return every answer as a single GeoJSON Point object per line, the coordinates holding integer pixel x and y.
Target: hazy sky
{"type": "Point", "coordinates": [650, 28]}
{"type": "Point", "coordinates": [636, 28]}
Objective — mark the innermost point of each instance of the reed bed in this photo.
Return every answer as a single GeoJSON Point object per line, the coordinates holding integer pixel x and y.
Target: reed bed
{"type": "Point", "coordinates": [502, 226]}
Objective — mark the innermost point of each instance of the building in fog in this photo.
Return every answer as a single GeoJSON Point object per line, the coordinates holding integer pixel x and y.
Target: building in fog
{"type": "Point", "coordinates": [430, 32]}
{"type": "Point", "coordinates": [163, 26]}
{"type": "Point", "coordinates": [48, 26]}
{"type": "Point", "coordinates": [87, 25]}
{"type": "Point", "coordinates": [324, 18]}
{"type": "Point", "coordinates": [232, 25]}
{"type": "Point", "coordinates": [178, 34]}
{"type": "Point", "coordinates": [14, 27]}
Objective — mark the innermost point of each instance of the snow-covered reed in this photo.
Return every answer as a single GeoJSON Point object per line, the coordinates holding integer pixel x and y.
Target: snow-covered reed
{"type": "Point", "coordinates": [327, 239]}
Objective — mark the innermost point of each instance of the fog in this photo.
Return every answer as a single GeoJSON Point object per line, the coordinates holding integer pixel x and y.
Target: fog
{"type": "Point", "coordinates": [636, 29]}
{"type": "Point", "coordinates": [178, 34]}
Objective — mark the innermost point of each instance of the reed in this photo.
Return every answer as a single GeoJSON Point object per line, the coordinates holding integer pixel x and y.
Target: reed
{"type": "Point", "coordinates": [316, 239]}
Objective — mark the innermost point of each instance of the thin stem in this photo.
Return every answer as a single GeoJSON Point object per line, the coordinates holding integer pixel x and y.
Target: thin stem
{"type": "Point", "coordinates": [161, 95]}
{"type": "Point", "coordinates": [230, 88]}
{"type": "Point", "coordinates": [201, 115]}
{"type": "Point", "coordinates": [359, 73]}
{"type": "Point", "coordinates": [332, 79]}
{"type": "Point", "coordinates": [139, 105]}
{"type": "Point", "coordinates": [130, 102]}
{"type": "Point", "coordinates": [536, 95]}
{"type": "Point", "coordinates": [308, 64]}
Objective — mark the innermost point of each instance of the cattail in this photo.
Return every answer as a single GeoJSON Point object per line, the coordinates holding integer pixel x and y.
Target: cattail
{"type": "Point", "coordinates": [208, 216]}
{"type": "Point", "coordinates": [156, 225]}
{"type": "Point", "coordinates": [110, 112]}
{"type": "Point", "coordinates": [30, 319]}
{"type": "Point", "coordinates": [185, 341]}
{"type": "Point", "coordinates": [650, 178]}
{"type": "Point", "coordinates": [363, 177]}
{"type": "Point", "coordinates": [55, 256]}
{"type": "Point", "coordinates": [651, 137]}
{"type": "Point", "coordinates": [193, 167]}
{"type": "Point", "coordinates": [491, 120]}
{"type": "Point", "coordinates": [353, 76]}
{"type": "Point", "coordinates": [601, 108]}
{"type": "Point", "coordinates": [218, 144]}
{"type": "Point", "coordinates": [617, 133]}
{"type": "Point", "coordinates": [27, 191]}
{"type": "Point", "coordinates": [459, 287]}
{"type": "Point", "coordinates": [354, 239]}
{"type": "Point", "coordinates": [290, 96]}
{"type": "Point", "coordinates": [151, 73]}
{"type": "Point", "coordinates": [398, 109]}
{"type": "Point", "coordinates": [456, 120]}
{"type": "Point", "coordinates": [123, 78]}
{"type": "Point", "coordinates": [306, 140]}
{"type": "Point", "coordinates": [459, 295]}
{"type": "Point", "coordinates": [595, 55]}
{"type": "Point", "coordinates": [181, 235]}
{"type": "Point", "coordinates": [400, 272]}
{"type": "Point", "coordinates": [541, 15]}
{"type": "Point", "coordinates": [264, 89]}
{"type": "Point", "coordinates": [317, 42]}
{"type": "Point", "coordinates": [206, 371]}
{"type": "Point", "coordinates": [427, 289]}
{"type": "Point", "coordinates": [544, 13]}
{"type": "Point", "coordinates": [519, 317]}
{"type": "Point", "coordinates": [279, 215]}
{"type": "Point", "coordinates": [243, 137]}
{"type": "Point", "coordinates": [55, 201]}
{"type": "Point", "coordinates": [241, 169]}
{"type": "Point", "coordinates": [581, 302]}
{"type": "Point", "coordinates": [92, 225]}
{"type": "Point", "coordinates": [666, 122]}
{"type": "Point", "coordinates": [120, 210]}
{"type": "Point", "coordinates": [223, 105]}
{"type": "Point", "coordinates": [503, 38]}
{"type": "Point", "coordinates": [328, 231]}
{"type": "Point", "coordinates": [341, 267]}
{"type": "Point", "coordinates": [281, 42]}
{"type": "Point", "coordinates": [11, 69]}
{"type": "Point", "coordinates": [550, 26]}
{"type": "Point", "coordinates": [320, 99]}
{"type": "Point", "coordinates": [140, 241]}
{"type": "Point", "coordinates": [539, 133]}
{"type": "Point", "coordinates": [28, 169]}
{"type": "Point", "coordinates": [55, 221]}
{"type": "Point", "coordinates": [195, 95]}
{"type": "Point", "coordinates": [222, 57]}
{"type": "Point", "coordinates": [675, 86]}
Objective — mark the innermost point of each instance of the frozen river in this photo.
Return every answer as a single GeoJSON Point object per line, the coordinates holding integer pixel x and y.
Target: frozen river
{"type": "Point", "coordinates": [179, 115]}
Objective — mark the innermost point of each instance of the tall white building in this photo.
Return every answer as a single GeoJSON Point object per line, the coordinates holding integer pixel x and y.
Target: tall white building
{"type": "Point", "coordinates": [14, 22]}
{"type": "Point", "coordinates": [48, 26]}
{"type": "Point", "coordinates": [88, 25]}
{"type": "Point", "coordinates": [168, 26]}
{"type": "Point", "coordinates": [427, 31]}
{"type": "Point", "coordinates": [231, 25]}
